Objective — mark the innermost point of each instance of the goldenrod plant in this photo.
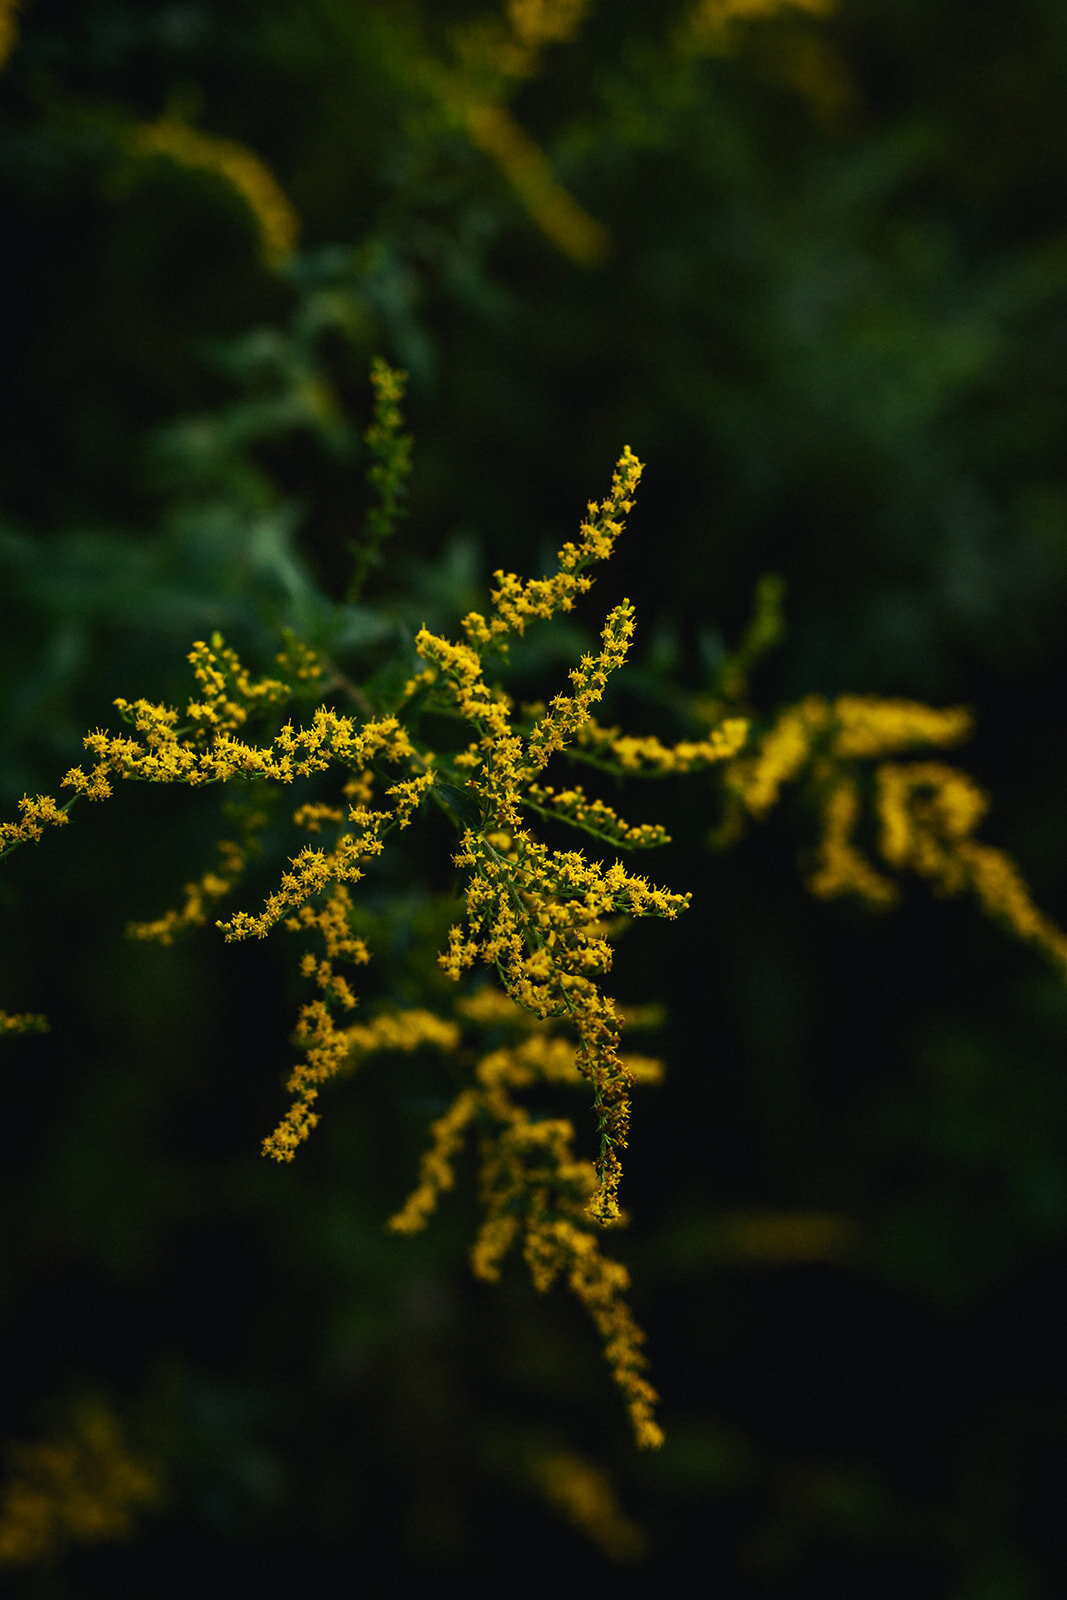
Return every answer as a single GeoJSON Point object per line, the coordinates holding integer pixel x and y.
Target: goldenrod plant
{"type": "Point", "coordinates": [541, 920]}
{"type": "Point", "coordinates": [541, 938]}
{"type": "Point", "coordinates": [533, 942]}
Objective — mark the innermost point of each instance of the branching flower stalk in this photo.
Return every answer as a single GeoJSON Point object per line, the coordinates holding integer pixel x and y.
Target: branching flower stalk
{"type": "Point", "coordinates": [539, 922]}
{"type": "Point", "coordinates": [542, 920]}
{"type": "Point", "coordinates": [920, 816]}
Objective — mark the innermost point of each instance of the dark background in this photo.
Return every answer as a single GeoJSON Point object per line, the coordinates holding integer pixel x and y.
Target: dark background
{"type": "Point", "coordinates": [833, 322]}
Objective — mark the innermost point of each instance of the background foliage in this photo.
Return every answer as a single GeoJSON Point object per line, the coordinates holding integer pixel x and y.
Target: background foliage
{"type": "Point", "coordinates": [810, 263]}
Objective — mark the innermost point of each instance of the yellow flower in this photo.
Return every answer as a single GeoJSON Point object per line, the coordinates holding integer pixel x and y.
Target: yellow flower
{"type": "Point", "coordinates": [37, 815]}
{"type": "Point", "coordinates": [237, 166]}
{"type": "Point", "coordinates": [83, 1484]}
{"type": "Point", "coordinates": [585, 1495]}
{"type": "Point", "coordinates": [842, 867]}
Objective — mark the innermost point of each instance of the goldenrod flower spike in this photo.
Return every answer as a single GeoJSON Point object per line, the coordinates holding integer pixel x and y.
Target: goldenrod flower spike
{"type": "Point", "coordinates": [646, 756]}
{"type": "Point", "coordinates": [542, 919]}
{"type": "Point", "coordinates": [492, 55]}
{"type": "Point", "coordinates": [928, 814]}
{"type": "Point", "coordinates": [249, 177]}
{"type": "Point", "coordinates": [568, 713]}
{"type": "Point", "coordinates": [534, 1190]}
{"type": "Point", "coordinates": [535, 914]}
{"type": "Point", "coordinates": [517, 601]}
{"type": "Point", "coordinates": [37, 815]}
{"type": "Point", "coordinates": [926, 811]}
{"type": "Point", "coordinates": [846, 729]}
{"type": "Point", "coordinates": [843, 868]}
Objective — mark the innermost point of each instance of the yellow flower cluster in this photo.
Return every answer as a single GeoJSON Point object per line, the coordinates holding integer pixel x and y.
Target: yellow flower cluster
{"type": "Point", "coordinates": [211, 887]}
{"type": "Point", "coordinates": [842, 868]}
{"type": "Point", "coordinates": [867, 727]}
{"type": "Point", "coordinates": [237, 166]}
{"type": "Point", "coordinates": [594, 816]}
{"type": "Point", "coordinates": [330, 1050]}
{"type": "Point", "coordinates": [600, 1284]}
{"type": "Point", "coordinates": [37, 815]}
{"type": "Point", "coordinates": [844, 729]}
{"type": "Point", "coordinates": [516, 600]}
{"type": "Point", "coordinates": [782, 755]}
{"type": "Point", "coordinates": [326, 1047]}
{"type": "Point", "coordinates": [493, 54]}
{"type": "Point", "coordinates": [542, 918]}
{"type": "Point", "coordinates": [607, 747]}
{"type": "Point", "coordinates": [925, 812]}
{"type": "Point", "coordinates": [537, 916]}
{"type": "Point", "coordinates": [534, 914]}
{"type": "Point", "coordinates": [533, 1188]}
{"type": "Point", "coordinates": [230, 695]}
{"type": "Point", "coordinates": [925, 809]}
{"type": "Point", "coordinates": [567, 713]}
{"type": "Point", "coordinates": [584, 1493]}
{"type": "Point", "coordinates": [168, 755]}
{"type": "Point", "coordinates": [315, 870]}
{"type": "Point", "coordinates": [83, 1485]}
{"type": "Point", "coordinates": [928, 813]}
{"type": "Point", "coordinates": [555, 211]}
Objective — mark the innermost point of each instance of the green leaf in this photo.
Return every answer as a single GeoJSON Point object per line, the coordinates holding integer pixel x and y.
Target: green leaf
{"type": "Point", "coordinates": [464, 802]}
